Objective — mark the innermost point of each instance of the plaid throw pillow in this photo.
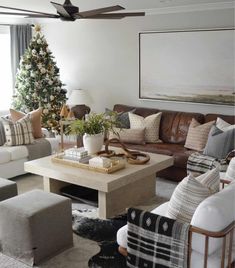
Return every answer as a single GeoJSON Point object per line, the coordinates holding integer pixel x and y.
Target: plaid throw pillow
{"type": "Point", "coordinates": [18, 133]}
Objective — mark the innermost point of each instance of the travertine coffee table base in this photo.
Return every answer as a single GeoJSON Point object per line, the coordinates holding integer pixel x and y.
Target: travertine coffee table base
{"type": "Point", "coordinates": [117, 191]}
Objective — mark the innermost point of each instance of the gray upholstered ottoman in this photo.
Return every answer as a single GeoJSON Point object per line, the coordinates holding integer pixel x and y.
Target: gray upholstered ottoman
{"type": "Point", "coordinates": [35, 226]}
{"type": "Point", "coordinates": [8, 189]}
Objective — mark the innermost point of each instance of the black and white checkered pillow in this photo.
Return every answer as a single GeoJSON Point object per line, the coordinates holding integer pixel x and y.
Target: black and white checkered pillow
{"type": "Point", "coordinates": [18, 133]}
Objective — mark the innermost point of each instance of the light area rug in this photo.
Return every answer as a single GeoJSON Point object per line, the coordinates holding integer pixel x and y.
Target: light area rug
{"type": "Point", "coordinates": [83, 249]}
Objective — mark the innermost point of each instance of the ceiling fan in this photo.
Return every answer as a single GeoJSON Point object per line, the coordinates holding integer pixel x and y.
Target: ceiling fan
{"type": "Point", "coordinates": [69, 12]}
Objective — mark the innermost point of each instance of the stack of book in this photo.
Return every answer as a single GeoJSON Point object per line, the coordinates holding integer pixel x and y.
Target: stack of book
{"type": "Point", "coordinates": [77, 154]}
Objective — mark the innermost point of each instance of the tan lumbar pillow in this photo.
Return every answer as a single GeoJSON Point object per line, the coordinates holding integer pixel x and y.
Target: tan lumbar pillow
{"type": "Point", "coordinates": [197, 135]}
{"type": "Point", "coordinates": [35, 120]}
{"type": "Point", "coordinates": [129, 135]}
{"type": "Point", "coordinates": [151, 124]}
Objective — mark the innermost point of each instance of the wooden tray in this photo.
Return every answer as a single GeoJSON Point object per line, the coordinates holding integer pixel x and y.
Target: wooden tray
{"type": "Point", "coordinates": [116, 164]}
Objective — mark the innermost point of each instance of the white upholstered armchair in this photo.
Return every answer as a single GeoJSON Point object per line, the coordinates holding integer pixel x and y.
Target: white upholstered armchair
{"type": "Point", "coordinates": [211, 233]}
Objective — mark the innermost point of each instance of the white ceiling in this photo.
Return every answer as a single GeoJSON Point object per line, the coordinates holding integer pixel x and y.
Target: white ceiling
{"type": "Point", "coordinates": [150, 6]}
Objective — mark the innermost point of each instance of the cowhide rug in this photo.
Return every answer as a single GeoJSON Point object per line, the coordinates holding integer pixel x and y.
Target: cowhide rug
{"type": "Point", "coordinates": [104, 233]}
{"type": "Point", "coordinates": [87, 225]}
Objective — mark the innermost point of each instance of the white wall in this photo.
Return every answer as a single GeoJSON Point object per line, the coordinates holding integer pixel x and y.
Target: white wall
{"type": "Point", "coordinates": [102, 56]}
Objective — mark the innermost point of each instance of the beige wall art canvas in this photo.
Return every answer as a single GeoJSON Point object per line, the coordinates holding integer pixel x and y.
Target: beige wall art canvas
{"type": "Point", "coordinates": [188, 66]}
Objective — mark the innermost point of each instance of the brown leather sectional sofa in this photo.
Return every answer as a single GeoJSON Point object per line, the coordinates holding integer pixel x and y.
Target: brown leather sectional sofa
{"type": "Point", "coordinates": [173, 132]}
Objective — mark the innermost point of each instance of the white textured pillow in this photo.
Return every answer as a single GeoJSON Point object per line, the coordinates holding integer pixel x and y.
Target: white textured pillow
{"type": "Point", "coordinates": [190, 192]}
{"type": "Point", "coordinates": [230, 173]}
{"type": "Point", "coordinates": [151, 124]}
{"type": "Point", "coordinates": [223, 125]}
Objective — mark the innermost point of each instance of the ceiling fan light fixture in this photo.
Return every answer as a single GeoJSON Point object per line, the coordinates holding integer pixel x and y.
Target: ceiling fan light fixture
{"type": "Point", "coordinates": [70, 8]}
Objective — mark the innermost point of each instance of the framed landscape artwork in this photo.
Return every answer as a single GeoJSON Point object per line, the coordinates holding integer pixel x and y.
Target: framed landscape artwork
{"type": "Point", "coordinates": [188, 66]}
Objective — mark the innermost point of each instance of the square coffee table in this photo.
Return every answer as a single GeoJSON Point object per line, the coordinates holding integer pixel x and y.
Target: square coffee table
{"type": "Point", "coordinates": [124, 188]}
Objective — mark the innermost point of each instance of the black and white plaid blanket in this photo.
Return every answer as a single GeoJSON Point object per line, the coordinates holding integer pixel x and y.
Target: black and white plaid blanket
{"type": "Point", "coordinates": [198, 164]}
{"type": "Point", "coordinates": [156, 241]}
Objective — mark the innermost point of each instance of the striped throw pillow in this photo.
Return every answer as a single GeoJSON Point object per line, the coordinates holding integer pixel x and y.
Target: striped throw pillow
{"type": "Point", "coordinates": [198, 135]}
{"type": "Point", "coordinates": [190, 192]}
{"type": "Point", "coordinates": [211, 179]}
{"type": "Point", "coordinates": [18, 133]}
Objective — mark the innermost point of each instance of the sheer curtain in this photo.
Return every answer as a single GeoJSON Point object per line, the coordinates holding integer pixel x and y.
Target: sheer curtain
{"type": "Point", "coordinates": [5, 70]}
{"type": "Point", "coordinates": [20, 39]}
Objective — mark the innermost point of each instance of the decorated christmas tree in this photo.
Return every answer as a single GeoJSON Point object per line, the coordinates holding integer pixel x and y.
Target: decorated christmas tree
{"type": "Point", "coordinates": [38, 83]}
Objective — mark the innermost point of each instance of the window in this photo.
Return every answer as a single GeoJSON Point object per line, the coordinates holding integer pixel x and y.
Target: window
{"type": "Point", "coordinates": [5, 69]}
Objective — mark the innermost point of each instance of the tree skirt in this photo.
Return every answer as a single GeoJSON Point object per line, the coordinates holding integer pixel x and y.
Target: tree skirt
{"type": "Point", "coordinates": [104, 232]}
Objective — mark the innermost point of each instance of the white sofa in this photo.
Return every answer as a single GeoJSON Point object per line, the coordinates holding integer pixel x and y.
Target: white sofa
{"type": "Point", "coordinates": [214, 214]}
{"type": "Point", "coordinates": [12, 158]}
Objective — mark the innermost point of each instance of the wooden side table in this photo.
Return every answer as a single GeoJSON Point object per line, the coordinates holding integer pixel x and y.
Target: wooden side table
{"type": "Point", "coordinates": [224, 182]}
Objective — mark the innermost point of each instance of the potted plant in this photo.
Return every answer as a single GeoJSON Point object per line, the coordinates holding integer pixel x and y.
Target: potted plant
{"type": "Point", "coordinates": [93, 128]}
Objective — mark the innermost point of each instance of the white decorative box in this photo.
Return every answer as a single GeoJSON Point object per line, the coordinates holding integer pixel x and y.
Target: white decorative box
{"type": "Point", "coordinates": [77, 153]}
{"type": "Point", "coordinates": [100, 162]}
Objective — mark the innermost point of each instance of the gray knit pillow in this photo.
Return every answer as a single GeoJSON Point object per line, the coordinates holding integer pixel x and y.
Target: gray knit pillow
{"type": "Point", "coordinates": [122, 118]}
{"type": "Point", "coordinates": [219, 142]}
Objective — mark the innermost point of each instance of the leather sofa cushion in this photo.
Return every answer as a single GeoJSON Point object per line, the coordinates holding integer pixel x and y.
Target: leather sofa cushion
{"type": "Point", "coordinates": [138, 110]}
{"type": "Point", "coordinates": [180, 153]}
{"type": "Point", "coordinates": [174, 125]}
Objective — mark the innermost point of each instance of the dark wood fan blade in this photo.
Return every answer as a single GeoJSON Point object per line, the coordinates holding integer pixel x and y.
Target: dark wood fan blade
{"type": "Point", "coordinates": [94, 12]}
{"type": "Point", "coordinates": [25, 10]}
{"type": "Point", "coordinates": [42, 16]}
{"type": "Point", "coordinates": [16, 14]}
{"type": "Point", "coordinates": [61, 10]}
{"type": "Point", "coordinates": [116, 15]}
